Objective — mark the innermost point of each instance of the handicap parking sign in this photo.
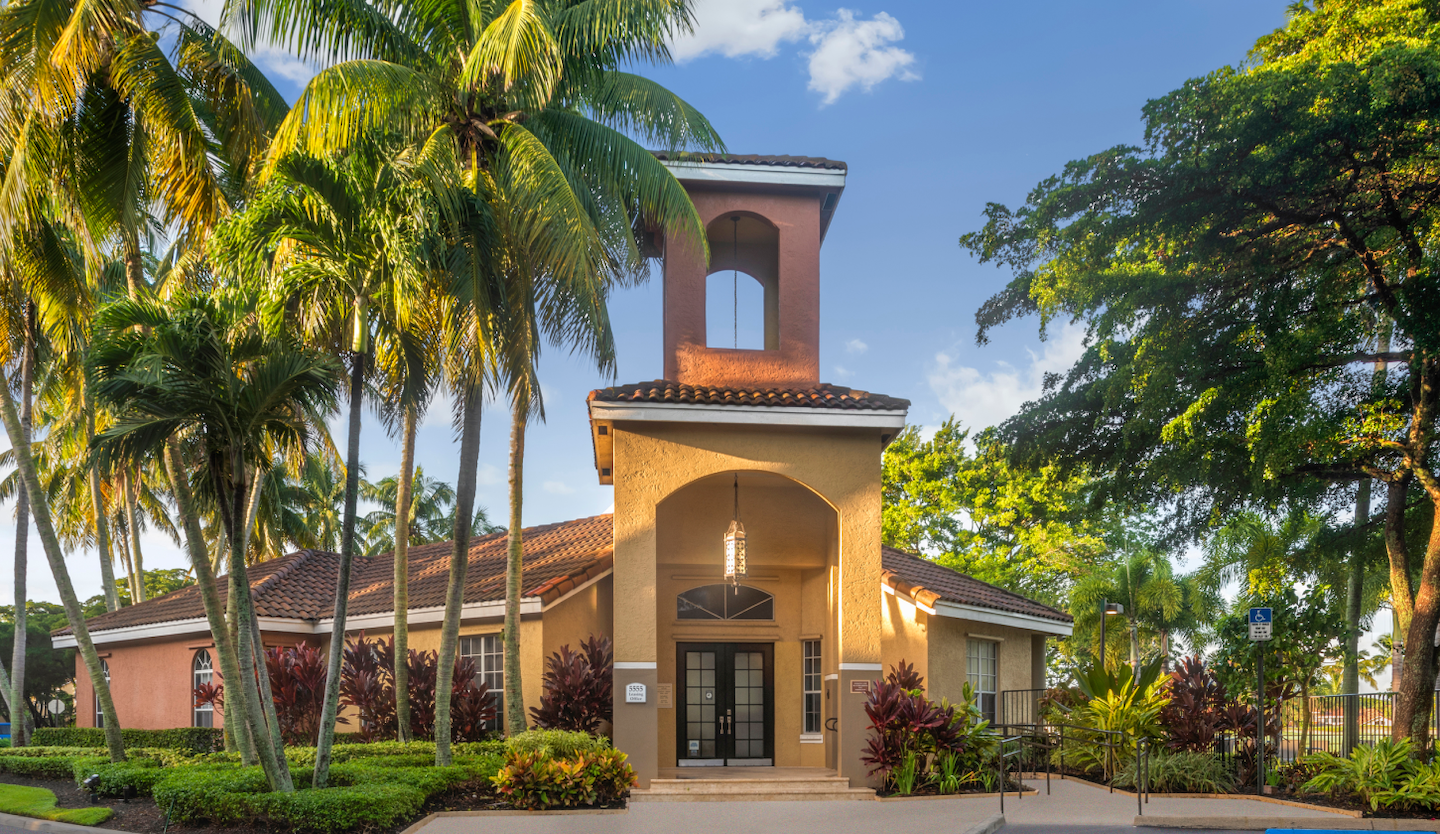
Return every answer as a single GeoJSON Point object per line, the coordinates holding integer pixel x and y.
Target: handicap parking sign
{"type": "Point", "coordinates": [1260, 624]}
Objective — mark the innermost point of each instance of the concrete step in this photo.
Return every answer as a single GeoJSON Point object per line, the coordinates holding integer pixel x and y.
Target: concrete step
{"type": "Point", "coordinates": [780, 788]}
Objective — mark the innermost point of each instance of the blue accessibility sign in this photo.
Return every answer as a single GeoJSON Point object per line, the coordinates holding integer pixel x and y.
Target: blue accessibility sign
{"type": "Point", "coordinates": [1260, 615]}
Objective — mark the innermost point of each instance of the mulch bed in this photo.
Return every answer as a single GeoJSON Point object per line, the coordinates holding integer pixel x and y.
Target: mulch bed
{"type": "Point", "coordinates": [142, 816]}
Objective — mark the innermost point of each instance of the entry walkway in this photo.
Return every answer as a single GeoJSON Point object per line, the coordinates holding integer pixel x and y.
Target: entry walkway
{"type": "Point", "coordinates": [1070, 804]}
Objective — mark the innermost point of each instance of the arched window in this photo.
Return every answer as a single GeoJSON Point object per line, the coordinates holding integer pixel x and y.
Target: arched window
{"type": "Point", "coordinates": [202, 671]}
{"type": "Point", "coordinates": [742, 291]}
{"type": "Point", "coordinates": [99, 714]}
{"type": "Point", "coordinates": [725, 602]}
{"type": "Point", "coordinates": [734, 311]}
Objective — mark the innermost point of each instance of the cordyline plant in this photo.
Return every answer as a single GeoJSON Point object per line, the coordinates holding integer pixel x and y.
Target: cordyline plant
{"type": "Point", "coordinates": [904, 723]}
{"type": "Point", "coordinates": [578, 687]}
{"type": "Point", "coordinates": [297, 682]}
{"type": "Point", "coordinates": [1194, 712]}
{"type": "Point", "coordinates": [367, 684]}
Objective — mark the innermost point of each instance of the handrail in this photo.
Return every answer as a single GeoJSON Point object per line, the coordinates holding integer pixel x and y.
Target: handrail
{"type": "Point", "coordinates": [1003, 771]}
{"type": "Point", "coordinates": [1142, 758]}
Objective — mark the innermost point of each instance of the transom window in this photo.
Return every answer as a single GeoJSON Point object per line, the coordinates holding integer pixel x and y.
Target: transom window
{"type": "Point", "coordinates": [982, 667]}
{"type": "Point", "coordinates": [202, 672]}
{"type": "Point", "coordinates": [488, 652]}
{"type": "Point", "coordinates": [725, 602]}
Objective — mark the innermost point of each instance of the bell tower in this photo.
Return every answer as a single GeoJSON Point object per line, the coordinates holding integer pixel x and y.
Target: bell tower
{"type": "Point", "coordinates": [765, 217]}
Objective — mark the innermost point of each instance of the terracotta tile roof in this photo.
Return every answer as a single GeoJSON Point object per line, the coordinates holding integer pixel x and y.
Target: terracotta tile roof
{"type": "Point", "coordinates": [558, 558]}
{"type": "Point", "coordinates": [752, 159]}
{"type": "Point", "coordinates": [926, 581]}
{"type": "Point", "coordinates": [821, 396]}
{"type": "Point", "coordinates": [301, 586]}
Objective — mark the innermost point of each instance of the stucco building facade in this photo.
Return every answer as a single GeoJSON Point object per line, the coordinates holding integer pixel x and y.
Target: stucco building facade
{"type": "Point", "coordinates": [767, 668]}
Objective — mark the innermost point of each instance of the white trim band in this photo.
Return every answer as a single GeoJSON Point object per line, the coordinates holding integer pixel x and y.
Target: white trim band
{"type": "Point", "coordinates": [975, 614]}
{"type": "Point", "coordinates": [862, 667]}
{"type": "Point", "coordinates": [636, 665]}
{"type": "Point", "coordinates": [749, 415]}
{"type": "Point", "coordinates": [745, 172]}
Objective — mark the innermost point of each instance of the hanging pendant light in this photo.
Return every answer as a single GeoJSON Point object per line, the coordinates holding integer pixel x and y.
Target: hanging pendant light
{"type": "Point", "coordinates": [735, 567]}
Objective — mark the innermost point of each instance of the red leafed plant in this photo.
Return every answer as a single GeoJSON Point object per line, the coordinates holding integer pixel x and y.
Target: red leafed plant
{"type": "Point", "coordinates": [297, 681]}
{"type": "Point", "coordinates": [367, 684]}
{"type": "Point", "coordinates": [903, 722]}
{"type": "Point", "coordinates": [1196, 708]}
{"type": "Point", "coordinates": [578, 687]}
{"type": "Point", "coordinates": [210, 695]}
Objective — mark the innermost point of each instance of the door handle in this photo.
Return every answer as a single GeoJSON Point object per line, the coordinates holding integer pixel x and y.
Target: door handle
{"type": "Point", "coordinates": [727, 723]}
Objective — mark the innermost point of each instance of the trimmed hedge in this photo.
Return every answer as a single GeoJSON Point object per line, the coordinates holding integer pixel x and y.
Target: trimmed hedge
{"type": "Point", "coordinates": [193, 739]}
{"type": "Point", "coordinates": [331, 810]}
{"type": "Point", "coordinates": [139, 774]}
{"type": "Point", "coordinates": [557, 744]}
{"type": "Point", "coordinates": [40, 767]}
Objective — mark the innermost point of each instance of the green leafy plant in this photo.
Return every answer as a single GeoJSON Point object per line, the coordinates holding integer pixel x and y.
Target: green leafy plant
{"type": "Point", "coordinates": [947, 772]}
{"type": "Point", "coordinates": [535, 780]}
{"type": "Point", "coordinates": [1385, 775]}
{"type": "Point", "coordinates": [559, 744]}
{"type": "Point", "coordinates": [1119, 703]}
{"type": "Point", "coordinates": [906, 773]}
{"type": "Point", "coordinates": [193, 739]}
{"type": "Point", "coordinates": [1181, 772]}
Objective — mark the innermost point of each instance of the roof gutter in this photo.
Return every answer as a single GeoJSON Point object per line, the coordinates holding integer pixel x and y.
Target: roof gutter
{"type": "Point", "coordinates": [976, 614]}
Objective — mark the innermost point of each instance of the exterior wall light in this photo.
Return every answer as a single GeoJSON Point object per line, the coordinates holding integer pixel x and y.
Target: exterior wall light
{"type": "Point", "coordinates": [1107, 609]}
{"type": "Point", "coordinates": [735, 566]}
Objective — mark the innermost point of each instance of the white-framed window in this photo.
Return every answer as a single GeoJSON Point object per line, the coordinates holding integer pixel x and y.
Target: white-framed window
{"type": "Point", "coordinates": [982, 667]}
{"type": "Point", "coordinates": [99, 714]}
{"type": "Point", "coordinates": [811, 685]}
{"type": "Point", "coordinates": [488, 652]}
{"type": "Point", "coordinates": [202, 671]}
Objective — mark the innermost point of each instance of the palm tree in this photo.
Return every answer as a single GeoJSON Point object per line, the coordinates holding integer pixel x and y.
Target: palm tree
{"type": "Point", "coordinates": [342, 234]}
{"type": "Point", "coordinates": [520, 108]}
{"type": "Point", "coordinates": [199, 374]}
{"type": "Point", "coordinates": [431, 516]}
{"type": "Point", "coordinates": [1143, 581]}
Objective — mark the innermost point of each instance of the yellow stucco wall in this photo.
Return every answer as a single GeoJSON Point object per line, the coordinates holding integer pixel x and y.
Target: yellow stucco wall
{"type": "Point", "coordinates": [947, 643]}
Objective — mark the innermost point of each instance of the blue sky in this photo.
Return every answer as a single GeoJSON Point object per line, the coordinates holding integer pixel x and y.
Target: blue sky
{"type": "Point", "coordinates": [938, 108]}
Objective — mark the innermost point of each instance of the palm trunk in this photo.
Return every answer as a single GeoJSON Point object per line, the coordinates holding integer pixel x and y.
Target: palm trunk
{"type": "Point", "coordinates": [514, 569]}
{"type": "Point", "coordinates": [248, 756]}
{"type": "Point", "coordinates": [124, 542]}
{"type": "Point", "coordinates": [1134, 650]}
{"type": "Point", "coordinates": [331, 708]}
{"type": "Point", "coordinates": [252, 508]}
{"type": "Point", "coordinates": [459, 561]}
{"type": "Point", "coordinates": [18, 713]}
{"type": "Point", "coordinates": [132, 519]}
{"type": "Point", "coordinates": [233, 513]}
{"type": "Point", "coordinates": [1417, 685]}
{"type": "Point", "coordinates": [267, 697]}
{"type": "Point", "coordinates": [40, 510]}
{"type": "Point", "coordinates": [102, 519]}
{"type": "Point", "coordinates": [235, 704]}
{"type": "Point", "coordinates": [410, 421]}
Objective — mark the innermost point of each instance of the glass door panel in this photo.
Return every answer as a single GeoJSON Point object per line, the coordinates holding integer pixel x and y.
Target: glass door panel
{"type": "Point", "coordinates": [726, 714]}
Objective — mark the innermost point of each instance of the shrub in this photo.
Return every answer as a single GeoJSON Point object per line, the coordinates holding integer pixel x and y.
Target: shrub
{"type": "Point", "coordinates": [910, 734]}
{"type": "Point", "coordinates": [55, 751]}
{"type": "Point", "coordinates": [367, 683]}
{"type": "Point", "coordinates": [1181, 772]}
{"type": "Point", "coordinates": [557, 744]}
{"type": "Point", "coordinates": [193, 739]}
{"type": "Point", "coordinates": [218, 794]}
{"type": "Point", "coordinates": [40, 767]}
{"type": "Point", "coordinates": [136, 777]}
{"type": "Point", "coordinates": [330, 810]}
{"type": "Point", "coordinates": [1193, 713]}
{"type": "Point", "coordinates": [1386, 775]}
{"type": "Point", "coordinates": [535, 780]}
{"type": "Point", "coordinates": [297, 681]}
{"type": "Point", "coordinates": [578, 687]}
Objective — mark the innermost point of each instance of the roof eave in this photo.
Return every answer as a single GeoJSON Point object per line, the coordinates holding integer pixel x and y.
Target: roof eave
{"type": "Point", "coordinates": [979, 614]}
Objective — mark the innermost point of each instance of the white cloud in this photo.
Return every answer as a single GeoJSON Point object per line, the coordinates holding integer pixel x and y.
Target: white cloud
{"type": "Point", "coordinates": [558, 488]}
{"type": "Point", "coordinates": [985, 399]}
{"type": "Point", "coordinates": [855, 346]}
{"type": "Point", "coordinates": [488, 475]}
{"type": "Point", "coordinates": [843, 373]}
{"type": "Point", "coordinates": [850, 52]}
{"type": "Point", "coordinates": [274, 62]}
{"type": "Point", "coordinates": [736, 28]}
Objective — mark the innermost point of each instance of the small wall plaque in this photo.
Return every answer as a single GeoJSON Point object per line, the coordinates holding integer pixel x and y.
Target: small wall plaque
{"type": "Point", "coordinates": [634, 693]}
{"type": "Point", "coordinates": [664, 697]}
{"type": "Point", "coordinates": [860, 687]}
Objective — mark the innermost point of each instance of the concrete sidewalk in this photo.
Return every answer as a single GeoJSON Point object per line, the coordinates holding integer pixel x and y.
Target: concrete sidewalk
{"type": "Point", "coordinates": [1070, 803]}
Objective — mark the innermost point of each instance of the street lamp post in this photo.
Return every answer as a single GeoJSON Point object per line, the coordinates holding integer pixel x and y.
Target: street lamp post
{"type": "Point", "coordinates": [1107, 609]}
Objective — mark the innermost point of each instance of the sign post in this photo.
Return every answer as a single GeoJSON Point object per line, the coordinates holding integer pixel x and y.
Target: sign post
{"type": "Point", "coordinates": [1261, 626]}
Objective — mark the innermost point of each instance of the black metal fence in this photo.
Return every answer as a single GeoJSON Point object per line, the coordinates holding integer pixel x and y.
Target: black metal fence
{"type": "Point", "coordinates": [1373, 717]}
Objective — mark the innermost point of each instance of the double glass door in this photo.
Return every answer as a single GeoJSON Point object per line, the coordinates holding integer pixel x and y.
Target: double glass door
{"type": "Point", "coordinates": [726, 714]}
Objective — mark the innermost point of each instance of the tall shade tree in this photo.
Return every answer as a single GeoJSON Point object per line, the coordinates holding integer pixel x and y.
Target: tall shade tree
{"type": "Point", "coordinates": [199, 373]}
{"type": "Point", "coordinates": [521, 106]}
{"type": "Point", "coordinates": [1239, 275]}
{"type": "Point", "coordinates": [343, 237]}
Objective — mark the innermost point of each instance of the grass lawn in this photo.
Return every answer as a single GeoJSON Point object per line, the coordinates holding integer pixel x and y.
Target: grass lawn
{"type": "Point", "coordinates": [40, 803]}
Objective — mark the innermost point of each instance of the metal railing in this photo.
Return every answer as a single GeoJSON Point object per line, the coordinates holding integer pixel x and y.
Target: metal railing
{"type": "Point", "coordinates": [1019, 707]}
